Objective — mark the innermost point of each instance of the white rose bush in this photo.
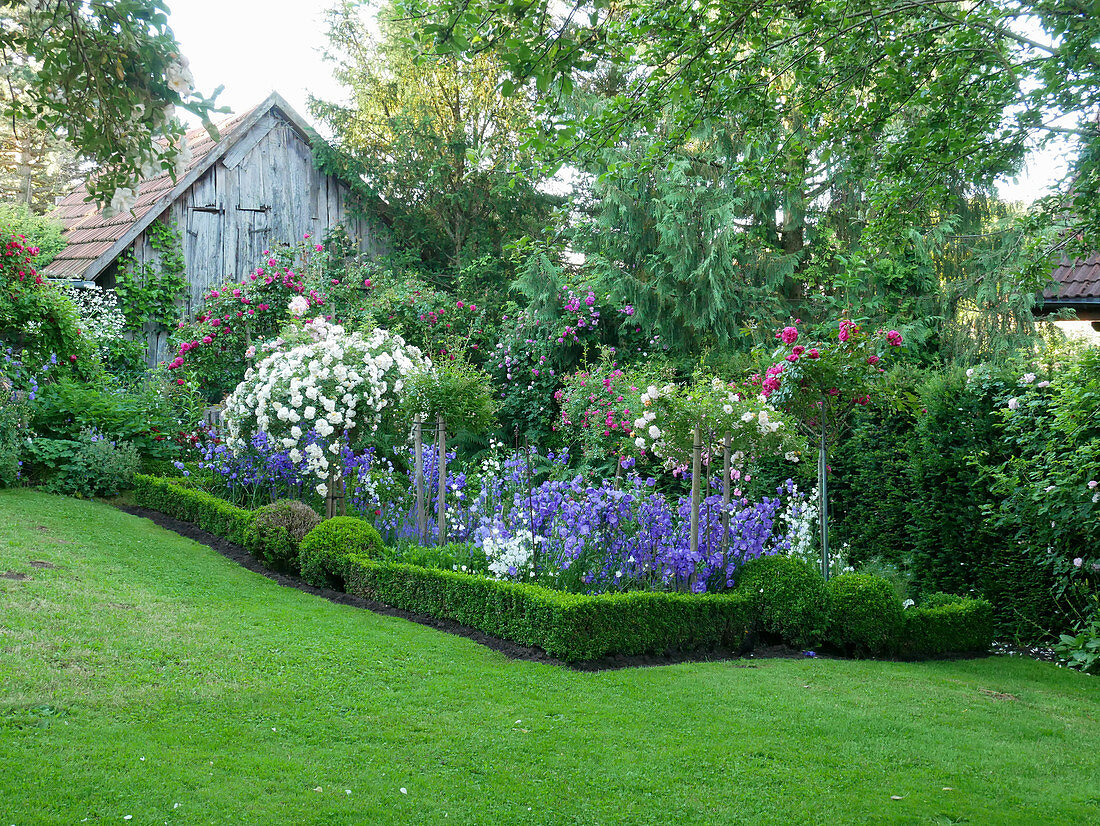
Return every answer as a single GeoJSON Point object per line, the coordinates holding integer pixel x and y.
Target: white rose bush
{"type": "Point", "coordinates": [312, 397]}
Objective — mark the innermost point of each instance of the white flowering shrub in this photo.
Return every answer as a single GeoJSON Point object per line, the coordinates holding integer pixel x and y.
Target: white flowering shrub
{"type": "Point", "coordinates": [314, 396]}
{"type": "Point", "coordinates": [101, 319]}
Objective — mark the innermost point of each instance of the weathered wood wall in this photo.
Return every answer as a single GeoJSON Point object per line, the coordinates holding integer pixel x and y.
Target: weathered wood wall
{"type": "Point", "coordinates": [263, 191]}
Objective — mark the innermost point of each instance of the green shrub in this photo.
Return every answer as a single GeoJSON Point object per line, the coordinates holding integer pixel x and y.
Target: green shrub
{"type": "Point", "coordinates": [323, 553]}
{"type": "Point", "coordinates": [277, 531]}
{"type": "Point", "coordinates": [964, 626]}
{"type": "Point", "coordinates": [150, 416]}
{"type": "Point", "coordinates": [90, 465]}
{"type": "Point", "coordinates": [571, 627]}
{"type": "Point", "coordinates": [789, 596]}
{"type": "Point", "coordinates": [865, 614]}
{"type": "Point", "coordinates": [939, 599]}
{"type": "Point", "coordinates": [198, 507]}
{"type": "Point", "coordinates": [1022, 594]}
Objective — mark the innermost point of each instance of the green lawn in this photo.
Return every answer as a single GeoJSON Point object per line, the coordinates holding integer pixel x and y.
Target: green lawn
{"type": "Point", "coordinates": [145, 675]}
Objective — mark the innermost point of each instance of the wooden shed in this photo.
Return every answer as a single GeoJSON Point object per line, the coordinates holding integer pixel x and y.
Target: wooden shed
{"type": "Point", "coordinates": [255, 187]}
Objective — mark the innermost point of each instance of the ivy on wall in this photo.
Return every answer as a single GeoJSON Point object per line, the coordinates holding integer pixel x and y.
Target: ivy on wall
{"type": "Point", "coordinates": [150, 293]}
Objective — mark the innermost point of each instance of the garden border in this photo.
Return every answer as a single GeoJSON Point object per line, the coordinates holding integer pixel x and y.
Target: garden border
{"type": "Point", "coordinates": [591, 632]}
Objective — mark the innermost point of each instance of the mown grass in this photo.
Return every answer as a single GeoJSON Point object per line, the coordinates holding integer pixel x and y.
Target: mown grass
{"type": "Point", "coordinates": [145, 675]}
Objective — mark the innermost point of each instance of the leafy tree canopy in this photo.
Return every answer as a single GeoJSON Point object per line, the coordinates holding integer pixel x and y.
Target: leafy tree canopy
{"type": "Point", "coordinates": [778, 154]}
{"type": "Point", "coordinates": [105, 75]}
{"type": "Point", "coordinates": [435, 139]}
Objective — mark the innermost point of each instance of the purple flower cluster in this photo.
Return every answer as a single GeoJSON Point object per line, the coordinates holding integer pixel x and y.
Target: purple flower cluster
{"type": "Point", "coordinates": [587, 537]}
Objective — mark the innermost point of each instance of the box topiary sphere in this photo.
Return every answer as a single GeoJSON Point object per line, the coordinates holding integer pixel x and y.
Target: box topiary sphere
{"type": "Point", "coordinates": [277, 530]}
{"type": "Point", "coordinates": [790, 598]}
{"type": "Point", "coordinates": [325, 548]}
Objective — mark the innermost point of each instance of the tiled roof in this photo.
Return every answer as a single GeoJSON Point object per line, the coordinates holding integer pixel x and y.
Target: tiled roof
{"type": "Point", "coordinates": [89, 234]}
{"type": "Point", "coordinates": [1078, 281]}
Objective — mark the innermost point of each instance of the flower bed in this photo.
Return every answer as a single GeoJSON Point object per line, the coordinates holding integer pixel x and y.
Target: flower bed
{"type": "Point", "coordinates": [579, 627]}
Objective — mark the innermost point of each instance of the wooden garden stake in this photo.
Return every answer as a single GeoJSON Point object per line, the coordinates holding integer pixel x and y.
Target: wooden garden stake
{"type": "Point", "coordinates": [696, 462]}
{"type": "Point", "coordinates": [418, 473]}
{"type": "Point", "coordinates": [441, 429]}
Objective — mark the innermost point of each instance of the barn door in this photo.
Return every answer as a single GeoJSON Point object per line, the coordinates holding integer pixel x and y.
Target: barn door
{"type": "Point", "coordinates": [203, 242]}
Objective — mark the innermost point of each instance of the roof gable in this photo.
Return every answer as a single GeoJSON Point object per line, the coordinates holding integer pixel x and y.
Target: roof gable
{"type": "Point", "coordinates": [94, 241]}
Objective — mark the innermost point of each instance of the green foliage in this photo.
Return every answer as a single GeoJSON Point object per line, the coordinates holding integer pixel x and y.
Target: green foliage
{"type": "Point", "coordinates": [33, 230]}
{"type": "Point", "coordinates": [962, 626]}
{"type": "Point", "coordinates": [324, 552]}
{"type": "Point", "coordinates": [150, 293]}
{"type": "Point", "coordinates": [36, 318]}
{"type": "Point", "coordinates": [871, 498]}
{"type": "Point", "coordinates": [865, 614]}
{"type": "Point", "coordinates": [154, 416]}
{"type": "Point", "coordinates": [454, 390]}
{"type": "Point", "coordinates": [195, 506]}
{"type": "Point", "coordinates": [954, 431]}
{"type": "Point", "coordinates": [1081, 649]}
{"type": "Point", "coordinates": [788, 597]}
{"type": "Point", "coordinates": [14, 418]}
{"type": "Point", "coordinates": [435, 141]}
{"type": "Point", "coordinates": [1022, 592]}
{"type": "Point", "coordinates": [1047, 488]}
{"type": "Point", "coordinates": [454, 556]}
{"type": "Point", "coordinates": [89, 465]}
{"type": "Point", "coordinates": [277, 531]}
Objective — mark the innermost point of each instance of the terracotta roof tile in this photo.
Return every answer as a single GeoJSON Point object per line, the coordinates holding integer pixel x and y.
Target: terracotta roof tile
{"type": "Point", "coordinates": [1078, 279]}
{"type": "Point", "coordinates": [89, 234]}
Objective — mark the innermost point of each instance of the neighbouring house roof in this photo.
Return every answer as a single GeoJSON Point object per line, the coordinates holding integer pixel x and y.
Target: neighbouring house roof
{"type": "Point", "coordinates": [1077, 288]}
{"type": "Point", "coordinates": [94, 241]}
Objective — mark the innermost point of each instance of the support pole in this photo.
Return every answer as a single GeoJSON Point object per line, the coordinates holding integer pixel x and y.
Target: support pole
{"type": "Point", "coordinates": [418, 475]}
{"type": "Point", "coordinates": [696, 462]}
{"type": "Point", "coordinates": [726, 443]}
{"type": "Point", "coordinates": [823, 495]}
{"type": "Point", "coordinates": [330, 497]}
{"type": "Point", "coordinates": [441, 519]}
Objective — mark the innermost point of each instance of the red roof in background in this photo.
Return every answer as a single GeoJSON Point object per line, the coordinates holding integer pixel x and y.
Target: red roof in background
{"type": "Point", "coordinates": [1077, 280]}
{"type": "Point", "coordinates": [89, 235]}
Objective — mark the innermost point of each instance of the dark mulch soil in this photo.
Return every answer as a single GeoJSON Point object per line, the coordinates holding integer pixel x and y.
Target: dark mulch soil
{"type": "Point", "coordinates": [509, 649]}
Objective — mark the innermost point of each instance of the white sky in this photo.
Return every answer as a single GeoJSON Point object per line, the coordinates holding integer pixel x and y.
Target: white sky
{"type": "Point", "coordinates": [255, 47]}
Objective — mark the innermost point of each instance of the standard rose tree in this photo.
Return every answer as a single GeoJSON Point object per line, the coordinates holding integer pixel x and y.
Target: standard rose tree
{"type": "Point", "coordinates": [314, 397]}
{"type": "Point", "coordinates": [818, 379]}
{"type": "Point", "coordinates": [703, 423]}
